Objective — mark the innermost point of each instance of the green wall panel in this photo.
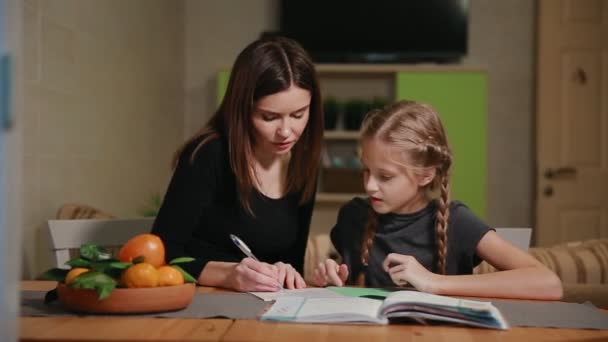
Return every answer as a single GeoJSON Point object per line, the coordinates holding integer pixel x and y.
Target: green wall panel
{"type": "Point", "coordinates": [222, 84]}
{"type": "Point", "coordinates": [461, 100]}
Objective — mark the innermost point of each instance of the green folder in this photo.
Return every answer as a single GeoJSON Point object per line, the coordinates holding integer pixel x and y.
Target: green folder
{"type": "Point", "coordinates": [360, 291]}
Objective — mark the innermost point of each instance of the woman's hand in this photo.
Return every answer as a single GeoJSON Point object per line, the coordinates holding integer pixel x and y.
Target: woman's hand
{"type": "Point", "coordinates": [250, 275]}
{"type": "Point", "coordinates": [330, 273]}
{"type": "Point", "coordinates": [405, 269]}
{"type": "Point", "coordinates": [289, 277]}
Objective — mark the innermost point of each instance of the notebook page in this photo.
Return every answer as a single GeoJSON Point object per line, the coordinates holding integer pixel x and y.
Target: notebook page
{"type": "Point", "coordinates": [343, 309]}
{"type": "Point", "coordinates": [431, 299]}
{"type": "Point", "coordinates": [325, 310]}
{"type": "Point", "coordinates": [311, 292]}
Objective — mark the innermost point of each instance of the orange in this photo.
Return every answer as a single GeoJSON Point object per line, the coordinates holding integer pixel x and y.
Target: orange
{"type": "Point", "coordinates": [149, 246]}
{"type": "Point", "coordinates": [74, 272]}
{"type": "Point", "coordinates": [169, 276]}
{"type": "Point", "coordinates": [140, 275]}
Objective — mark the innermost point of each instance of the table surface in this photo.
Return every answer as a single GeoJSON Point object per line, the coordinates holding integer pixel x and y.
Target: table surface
{"type": "Point", "coordinates": [118, 329]}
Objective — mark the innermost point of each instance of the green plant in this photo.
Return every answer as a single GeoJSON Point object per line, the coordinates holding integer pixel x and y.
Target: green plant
{"type": "Point", "coordinates": [378, 103]}
{"type": "Point", "coordinates": [354, 111]}
{"type": "Point", "coordinates": [331, 109]}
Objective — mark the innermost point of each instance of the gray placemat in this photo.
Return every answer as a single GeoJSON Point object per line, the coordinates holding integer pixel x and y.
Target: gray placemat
{"type": "Point", "coordinates": [204, 305]}
{"type": "Point", "coordinates": [552, 314]}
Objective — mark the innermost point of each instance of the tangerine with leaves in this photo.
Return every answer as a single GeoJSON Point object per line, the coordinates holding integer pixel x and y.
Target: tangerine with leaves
{"type": "Point", "coordinates": [169, 276]}
{"type": "Point", "coordinates": [148, 246]}
{"type": "Point", "coordinates": [74, 272]}
{"type": "Point", "coordinates": [140, 275]}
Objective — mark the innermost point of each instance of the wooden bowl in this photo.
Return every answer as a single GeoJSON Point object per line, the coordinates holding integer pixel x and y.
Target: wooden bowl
{"type": "Point", "coordinates": [128, 301]}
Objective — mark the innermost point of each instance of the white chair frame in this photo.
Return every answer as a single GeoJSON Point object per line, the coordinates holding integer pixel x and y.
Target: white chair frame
{"type": "Point", "coordinates": [70, 234]}
{"type": "Point", "coordinates": [519, 237]}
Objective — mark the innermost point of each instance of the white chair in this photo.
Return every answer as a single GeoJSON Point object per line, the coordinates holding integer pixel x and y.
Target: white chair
{"type": "Point", "coordinates": [66, 235]}
{"type": "Point", "coordinates": [519, 237]}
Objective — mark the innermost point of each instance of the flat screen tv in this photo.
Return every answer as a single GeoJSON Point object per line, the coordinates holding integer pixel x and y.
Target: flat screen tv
{"type": "Point", "coordinates": [381, 31]}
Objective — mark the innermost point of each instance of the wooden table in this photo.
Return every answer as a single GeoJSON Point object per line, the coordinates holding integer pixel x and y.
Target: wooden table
{"type": "Point", "coordinates": [118, 329]}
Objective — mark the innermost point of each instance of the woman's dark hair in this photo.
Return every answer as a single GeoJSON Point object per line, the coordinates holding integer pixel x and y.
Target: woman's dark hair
{"type": "Point", "coordinates": [265, 67]}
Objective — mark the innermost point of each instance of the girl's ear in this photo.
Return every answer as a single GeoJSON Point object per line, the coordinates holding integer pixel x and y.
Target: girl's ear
{"type": "Point", "coordinates": [427, 177]}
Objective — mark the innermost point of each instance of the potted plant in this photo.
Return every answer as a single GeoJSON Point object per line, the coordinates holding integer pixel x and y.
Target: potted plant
{"type": "Point", "coordinates": [331, 109]}
{"type": "Point", "coordinates": [378, 102]}
{"type": "Point", "coordinates": [354, 111]}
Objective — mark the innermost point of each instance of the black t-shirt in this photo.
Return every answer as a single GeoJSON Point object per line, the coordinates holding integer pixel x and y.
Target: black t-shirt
{"type": "Point", "coordinates": [408, 234]}
{"type": "Point", "coordinates": [201, 208]}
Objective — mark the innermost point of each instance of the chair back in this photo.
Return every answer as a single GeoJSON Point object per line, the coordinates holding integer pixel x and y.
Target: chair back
{"type": "Point", "coordinates": [519, 237]}
{"type": "Point", "coordinates": [66, 235]}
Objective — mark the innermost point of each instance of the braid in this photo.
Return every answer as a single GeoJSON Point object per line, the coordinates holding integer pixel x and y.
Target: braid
{"type": "Point", "coordinates": [443, 213]}
{"type": "Point", "coordinates": [368, 235]}
{"type": "Point", "coordinates": [415, 130]}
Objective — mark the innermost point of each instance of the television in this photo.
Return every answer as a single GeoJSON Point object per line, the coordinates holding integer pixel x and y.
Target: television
{"type": "Point", "coordinates": [378, 31]}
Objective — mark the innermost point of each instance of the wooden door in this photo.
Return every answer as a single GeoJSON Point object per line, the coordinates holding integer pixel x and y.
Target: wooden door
{"type": "Point", "coordinates": [572, 121]}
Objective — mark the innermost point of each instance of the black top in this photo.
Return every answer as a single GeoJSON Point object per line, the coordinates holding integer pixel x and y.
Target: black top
{"type": "Point", "coordinates": [201, 208]}
{"type": "Point", "coordinates": [408, 234]}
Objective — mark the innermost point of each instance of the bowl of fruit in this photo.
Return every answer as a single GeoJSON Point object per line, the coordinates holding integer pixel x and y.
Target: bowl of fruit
{"type": "Point", "coordinates": [138, 281]}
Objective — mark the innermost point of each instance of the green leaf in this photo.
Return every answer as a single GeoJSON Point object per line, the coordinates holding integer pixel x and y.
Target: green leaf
{"type": "Point", "coordinates": [79, 262]}
{"type": "Point", "coordinates": [104, 290]}
{"type": "Point", "coordinates": [120, 265]}
{"type": "Point", "coordinates": [102, 283]}
{"type": "Point", "coordinates": [56, 274]}
{"type": "Point", "coordinates": [51, 296]}
{"type": "Point", "coordinates": [187, 277]}
{"type": "Point", "coordinates": [93, 252]}
{"type": "Point", "coordinates": [181, 260]}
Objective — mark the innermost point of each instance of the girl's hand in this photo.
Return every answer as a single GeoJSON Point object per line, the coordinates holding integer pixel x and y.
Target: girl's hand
{"type": "Point", "coordinates": [405, 269]}
{"type": "Point", "coordinates": [289, 277]}
{"type": "Point", "coordinates": [250, 275]}
{"type": "Point", "coordinates": [330, 273]}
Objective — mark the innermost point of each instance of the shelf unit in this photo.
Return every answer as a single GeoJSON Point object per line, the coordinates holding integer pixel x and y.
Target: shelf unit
{"type": "Point", "coordinates": [338, 198]}
{"type": "Point", "coordinates": [341, 135]}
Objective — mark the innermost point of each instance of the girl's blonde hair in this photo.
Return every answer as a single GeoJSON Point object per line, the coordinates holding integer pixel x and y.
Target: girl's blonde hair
{"type": "Point", "coordinates": [416, 132]}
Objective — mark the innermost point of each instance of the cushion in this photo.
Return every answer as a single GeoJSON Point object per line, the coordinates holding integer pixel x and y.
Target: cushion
{"type": "Point", "coordinates": [577, 262]}
{"type": "Point", "coordinates": [581, 262]}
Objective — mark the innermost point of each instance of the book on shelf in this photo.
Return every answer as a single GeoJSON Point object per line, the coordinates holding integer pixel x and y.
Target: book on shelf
{"type": "Point", "coordinates": [396, 307]}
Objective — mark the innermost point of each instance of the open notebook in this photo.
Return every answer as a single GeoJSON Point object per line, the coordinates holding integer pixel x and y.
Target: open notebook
{"type": "Point", "coordinates": [417, 306]}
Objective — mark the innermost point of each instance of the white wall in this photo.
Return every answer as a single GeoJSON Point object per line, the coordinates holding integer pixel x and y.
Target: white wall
{"type": "Point", "coordinates": [216, 31]}
{"type": "Point", "coordinates": [103, 108]}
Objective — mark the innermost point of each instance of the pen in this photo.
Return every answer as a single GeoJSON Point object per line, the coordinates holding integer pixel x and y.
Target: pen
{"type": "Point", "coordinates": [245, 249]}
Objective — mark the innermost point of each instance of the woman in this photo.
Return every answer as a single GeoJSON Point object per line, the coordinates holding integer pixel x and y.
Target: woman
{"type": "Point", "coordinates": [251, 172]}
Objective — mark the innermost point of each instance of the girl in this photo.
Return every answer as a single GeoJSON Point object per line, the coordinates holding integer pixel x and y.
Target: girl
{"type": "Point", "coordinates": [251, 171]}
{"type": "Point", "coordinates": [409, 232]}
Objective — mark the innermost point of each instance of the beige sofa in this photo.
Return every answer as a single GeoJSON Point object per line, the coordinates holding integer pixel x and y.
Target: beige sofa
{"type": "Point", "coordinates": [582, 266]}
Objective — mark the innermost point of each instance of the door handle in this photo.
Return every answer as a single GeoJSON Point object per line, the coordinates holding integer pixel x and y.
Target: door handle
{"type": "Point", "coordinates": [567, 171]}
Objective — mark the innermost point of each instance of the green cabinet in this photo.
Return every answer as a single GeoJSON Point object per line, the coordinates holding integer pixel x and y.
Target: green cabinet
{"type": "Point", "coordinates": [461, 100]}
{"type": "Point", "coordinates": [222, 84]}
